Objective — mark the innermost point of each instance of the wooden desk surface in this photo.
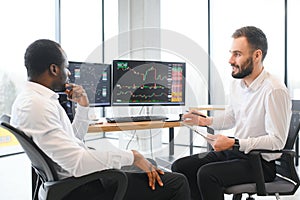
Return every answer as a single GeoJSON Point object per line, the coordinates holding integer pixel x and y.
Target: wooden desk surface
{"type": "Point", "coordinates": [125, 126]}
{"type": "Point", "coordinates": [208, 107]}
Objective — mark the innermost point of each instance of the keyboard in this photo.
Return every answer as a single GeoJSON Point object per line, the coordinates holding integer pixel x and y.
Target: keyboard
{"type": "Point", "coordinates": [136, 118]}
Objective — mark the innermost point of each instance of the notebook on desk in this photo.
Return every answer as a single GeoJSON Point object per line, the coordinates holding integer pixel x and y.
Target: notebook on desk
{"type": "Point", "coordinates": [173, 117]}
{"type": "Point", "coordinates": [97, 121]}
{"type": "Point", "coordinates": [138, 118]}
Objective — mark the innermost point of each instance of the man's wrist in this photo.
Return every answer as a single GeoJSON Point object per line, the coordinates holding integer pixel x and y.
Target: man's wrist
{"type": "Point", "coordinates": [137, 156]}
{"type": "Point", "coordinates": [209, 121]}
{"type": "Point", "coordinates": [236, 145]}
{"type": "Point", "coordinates": [236, 142]}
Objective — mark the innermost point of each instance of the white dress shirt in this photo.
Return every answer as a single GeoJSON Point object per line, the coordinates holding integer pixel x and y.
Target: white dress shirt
{"type": "Point", "coordinates": [260, 113]}
{"type": "Point", "coordinates": [38, 113]}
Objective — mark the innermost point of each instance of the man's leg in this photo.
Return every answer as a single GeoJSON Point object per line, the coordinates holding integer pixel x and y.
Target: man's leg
{"type": "Point", "coordinates": [175, 187]}
{"type": "Point", "coordinates": [190, 165]}
{"type": "Point", "coordinates": [94, 190]}
{"type": "Point", "coordinates": [214, 177]}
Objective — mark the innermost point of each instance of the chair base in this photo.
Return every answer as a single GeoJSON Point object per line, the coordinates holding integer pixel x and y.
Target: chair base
{"type": "Point", "coordinates": [239, 197]}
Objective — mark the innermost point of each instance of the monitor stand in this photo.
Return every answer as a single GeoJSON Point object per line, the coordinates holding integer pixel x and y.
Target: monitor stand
{"type": "Point", "coordinates": [147, 110]}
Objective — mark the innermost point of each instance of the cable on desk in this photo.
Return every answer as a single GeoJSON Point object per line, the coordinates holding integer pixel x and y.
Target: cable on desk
{"type": "Point", "coordinates": [151, 143]}
{"type": "Point", "coordinates": [134, 133]}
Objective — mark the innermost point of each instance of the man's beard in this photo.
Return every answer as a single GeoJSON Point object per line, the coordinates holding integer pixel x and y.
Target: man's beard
{"type": "Point", "coordinates": [245, 69]}
{"type": "Point", "coordinates": [60, 87]}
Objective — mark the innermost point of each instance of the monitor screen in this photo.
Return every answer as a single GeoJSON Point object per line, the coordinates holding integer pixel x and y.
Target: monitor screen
{"type": "Point", "coordinates": [140, 83]}
{"type": "Point", "coordinates": [95, 79]}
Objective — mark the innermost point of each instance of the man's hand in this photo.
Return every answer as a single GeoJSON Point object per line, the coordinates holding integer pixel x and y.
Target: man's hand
{"type": "Point", "coordinates": [153, 172]}
{"type": "Point", "coordinates": [194, 117]}
{"type": "Point", "coordinates": [77, 94]}
{"type": "Point", "coordinates": [221, 142]}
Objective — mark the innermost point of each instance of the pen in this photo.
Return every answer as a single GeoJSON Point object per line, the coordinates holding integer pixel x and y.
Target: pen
{"type": "Point", "coordinates": [198, 114]}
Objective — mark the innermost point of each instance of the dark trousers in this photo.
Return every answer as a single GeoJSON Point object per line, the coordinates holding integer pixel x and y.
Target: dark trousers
{"type": "Point", "coordinates": [209, 173]}
{"type": "Point", "coordinates": [175, 188]}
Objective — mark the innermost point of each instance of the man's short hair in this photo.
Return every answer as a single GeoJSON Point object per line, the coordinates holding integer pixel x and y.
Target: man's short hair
{"type": "Point", "coordinates": [40, 55]}
{"type": "Point", "coordinates": [255, 37]}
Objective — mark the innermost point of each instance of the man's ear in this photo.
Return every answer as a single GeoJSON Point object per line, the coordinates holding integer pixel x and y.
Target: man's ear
{"type": "Point", "coordinates": [257, 54]}
{"type": "Point", "coordinates": [53, 69]}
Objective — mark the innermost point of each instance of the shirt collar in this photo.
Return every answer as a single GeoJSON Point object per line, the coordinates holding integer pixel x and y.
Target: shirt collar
{"type": "Point", "coordinates": [44, 91]}
{"type": "Point", "coordinates": [256, 83]}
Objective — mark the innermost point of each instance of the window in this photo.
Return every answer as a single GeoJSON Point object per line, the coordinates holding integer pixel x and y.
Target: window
{"type": "Point", "coordinates": [229, 15]}
{"type": "Point", "coordinates": [184, 38]}
{"type": "Point", "coordinates": [292, 51]}
{"type": "Point", "coordinates": [111, 29]}
{"type": "Point", "coordinates": [22, 23]}
{"type": "Point", "coordinates": [81, 30]}
{"type": "Point", "coordinates": [186, 25]}
{"type": "Point", "coordinates": [25, 22]}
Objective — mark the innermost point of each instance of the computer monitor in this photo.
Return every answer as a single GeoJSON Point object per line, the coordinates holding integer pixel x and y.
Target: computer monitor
{"type": "Point", "coordinates": [143, 83]}
{"type": "Point", "coordinates": [95, 78]}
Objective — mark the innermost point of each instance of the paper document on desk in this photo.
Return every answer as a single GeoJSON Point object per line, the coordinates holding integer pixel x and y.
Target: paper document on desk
{"type": "Point", "coordinates": [96, 121]}
{"type": "Point", "coordinates": [206, 136]}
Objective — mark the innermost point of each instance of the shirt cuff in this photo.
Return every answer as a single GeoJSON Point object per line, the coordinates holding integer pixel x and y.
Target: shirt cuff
{"type": "Point", "coordinates": [214, 123]}
{"type": "Point", "coordinates": [243, 144]}
{"type": "Point", "coordinates": [82, 112]}
{"type": "Point", "coordinates": [128, 160]}
{"type": "Point", "coordinates": [121, 158]}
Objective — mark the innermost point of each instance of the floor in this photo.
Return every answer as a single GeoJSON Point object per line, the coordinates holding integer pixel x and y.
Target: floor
{"type": "Point", "coordinates": [15, 177]}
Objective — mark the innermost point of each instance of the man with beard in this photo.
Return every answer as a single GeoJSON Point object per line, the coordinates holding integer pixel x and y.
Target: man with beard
{"type": "Point", "coordinates": [38, 113]}
{"type": "Point", "coordinates": [260, 112]}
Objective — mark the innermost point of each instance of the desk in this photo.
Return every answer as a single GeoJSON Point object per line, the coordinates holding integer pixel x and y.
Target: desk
{"type": "Point", "coordinates": [209, 107]}
{"type": "Point", "coordinates": [126, 126]}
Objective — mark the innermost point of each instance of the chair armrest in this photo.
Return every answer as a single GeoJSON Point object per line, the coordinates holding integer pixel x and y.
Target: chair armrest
{"type": "Point", "coordinates": [255, 160]}
{"type": "Point", "coordinates": [59, 189]}
{"type": "Point", "coordinates": [289, 152]}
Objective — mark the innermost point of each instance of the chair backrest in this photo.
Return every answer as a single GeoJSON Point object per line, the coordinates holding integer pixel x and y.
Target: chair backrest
{"type": "Point", "coordinates": [283, 166]}
{"type": "Point", "coordinates": [293, 131]}
{"type": "Point", "coordinates": [42, 164]}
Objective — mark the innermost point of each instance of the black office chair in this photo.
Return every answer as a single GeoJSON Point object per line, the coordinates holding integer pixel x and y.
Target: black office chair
{"type": "Point", "coordinates": [50, 187]}
{"type": "Point", "coordinates": [286, 181]}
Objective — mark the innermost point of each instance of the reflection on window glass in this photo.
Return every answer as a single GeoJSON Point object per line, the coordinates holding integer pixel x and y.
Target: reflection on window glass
{"type": "Point", "coordinates": [293, 48]}
{"type": "Point", "coordinates": [81, 29]}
